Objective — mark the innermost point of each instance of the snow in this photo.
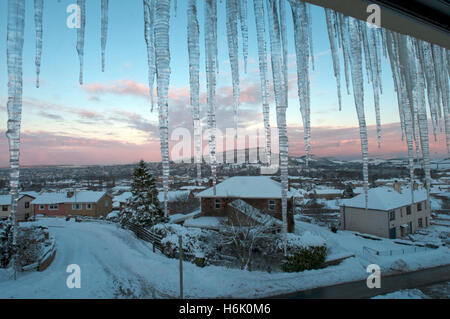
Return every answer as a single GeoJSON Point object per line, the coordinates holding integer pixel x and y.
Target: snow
{"type": "Point", "coordinates": [384, 198]}
{"type": "Point", "coordinates": [78, 197]}
{"type": "Point", "coordinates": [206, 222]}
{"type": "Point", "coordinates": [247, 187]}
{"type": "Point", "coordinates": [113, 260]}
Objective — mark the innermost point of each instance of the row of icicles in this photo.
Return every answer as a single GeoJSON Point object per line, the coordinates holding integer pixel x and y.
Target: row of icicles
{"type": "Point", "coordinates": [420, 72]}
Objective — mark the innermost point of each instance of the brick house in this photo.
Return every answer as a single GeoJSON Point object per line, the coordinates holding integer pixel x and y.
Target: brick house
{"type": "Point", "coordinates": [260, 192]}
{"type": "Point", "coordinates": [84, 203]}
{"type": "Point", "coordinates": [391, 212]}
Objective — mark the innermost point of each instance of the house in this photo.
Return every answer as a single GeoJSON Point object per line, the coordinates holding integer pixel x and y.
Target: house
{"type": "Point", "coordinates": [391, 212]}
{"type": "Point", "coordinates": [81, 203]}
{"type": "Point", "coordinates": [243, 193]}
{"type": "Point", "coordinates": [24, 208]}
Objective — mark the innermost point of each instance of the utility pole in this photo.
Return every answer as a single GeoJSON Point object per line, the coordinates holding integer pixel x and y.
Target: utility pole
{"type": "Point", "coordinates": [180, 243]}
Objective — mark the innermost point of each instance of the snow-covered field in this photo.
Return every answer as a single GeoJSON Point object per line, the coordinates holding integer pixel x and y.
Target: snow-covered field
{"type": "Point", "coordinates": [115, 264]}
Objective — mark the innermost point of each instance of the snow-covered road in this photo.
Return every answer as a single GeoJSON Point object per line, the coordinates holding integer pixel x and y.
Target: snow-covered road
{"type": "Point", "coordinates": [111, 262]}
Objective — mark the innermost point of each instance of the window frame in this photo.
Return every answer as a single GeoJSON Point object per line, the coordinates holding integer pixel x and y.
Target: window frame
{"type": "Point", "coordinates": [3, 208]}
{"type": "Point", "coordinates": [53, 207]}
{"type": "Point", "coordinates": [41, 207]}
{"type": "Point", "coordinates": [77, 204]}
{"type": "Point", "coordinates": [392, 215]}
{"type": "Point", "coordinates": [420, 222]}
{"type": "Point", "coordinates": [27, 204]}
{"type": "Point", "coordinates": [419, 207]}
{"type": "Point", "coordinates": [408, 210]}
{"type": "Point", "coordinates": [88, 206]}
{"type": "Point", "coordinates": [272, 204]}
{"type": "Point", "coordinates": [217, 202]}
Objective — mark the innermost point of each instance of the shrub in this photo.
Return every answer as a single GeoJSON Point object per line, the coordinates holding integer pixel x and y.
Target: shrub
{"type": "Point", "coordinates": [305, 259]}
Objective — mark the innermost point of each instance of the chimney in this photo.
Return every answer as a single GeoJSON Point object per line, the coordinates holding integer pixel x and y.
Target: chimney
{"type": "Point", "coordinates": [397, 187]}
{"type": "Point", "coordinates": [70, 194]}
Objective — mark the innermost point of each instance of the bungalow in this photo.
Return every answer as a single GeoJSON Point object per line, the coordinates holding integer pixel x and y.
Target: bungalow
{"type": "Point", "coordinates": [82, 203]}
{"type": "Point", "coordinates": [261, 193]}
{"type": "Point", "coordinates": [24, 209]}
{"type": "Point", "coordinates": [391, 212]}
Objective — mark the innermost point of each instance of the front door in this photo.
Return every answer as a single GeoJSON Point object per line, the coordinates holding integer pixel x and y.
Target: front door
{"type": "Point", "coordinates": [393, 233]}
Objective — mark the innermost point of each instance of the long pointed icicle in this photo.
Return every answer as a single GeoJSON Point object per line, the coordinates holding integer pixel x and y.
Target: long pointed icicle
{"type": "Point", "coordinates": [301, 35]}
{"type": "Point", "coordinates": [211, 64]}
{"type": "Point", "coordinates": [233, 49]}
{"type": "Point", "coordinates": [194, 79]}
{"type": "Point", "coordinates": [331, 26]}
{"type": "Point", "coordinates": [105, 5]}
{"type": "Point", "coordinates": [262, 54]}
{"type": "Point", "coordinates": [354, 39]}
{"type": "Point", "coordinates": [149, 34]}
{"type": "Point", "coordinates": [162, 54]}
{"type": "Point", "coordinates": [80, 35]}
{"type": "Point", "coordinates": [38, 12]}
{"type": "Point", "coordinates": [280, 89]}
{"type": "Point", "coordinates": [15, 39]}
{"type": "Point", "coordinates": [244, 30]}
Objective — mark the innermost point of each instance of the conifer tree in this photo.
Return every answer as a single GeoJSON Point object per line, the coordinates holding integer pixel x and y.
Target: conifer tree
{"type": "Point", "coordinates": [143, 207]}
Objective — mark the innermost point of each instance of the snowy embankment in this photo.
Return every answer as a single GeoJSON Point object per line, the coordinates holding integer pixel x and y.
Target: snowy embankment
{"type": "Point", "coordinates": [114, 263]}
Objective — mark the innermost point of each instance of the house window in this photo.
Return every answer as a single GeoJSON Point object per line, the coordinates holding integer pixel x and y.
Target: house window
{"type": "Point", "coordinates": [410, 227]}
{"type": "Point", "coordinates": [420, 222]}
{"type": "Point", "coordinates": [419, 207]}
{"type": "Point", "coordinates": [53, 207]}
{"type": "Point", "coordinates": [5, 208]}
{"type": "Point", "coordinates": [271, 204]}
{"type": "Point", "coordinates": [392, 215]}
{"type": "Point", "coordinates": [76, 206]}
{"type": "Point", "coordinates": [27, 204]}
{"type": "Point", "coordinates": [217, 203]}
{"type": "Point", "coordinates": [408, 210]}
{"type": "Point", "coordinates": [89, 206]}
{"type": "Point", "coordinates": [106, 203]}
{"type": "Point", "coordinates": [41, 207]}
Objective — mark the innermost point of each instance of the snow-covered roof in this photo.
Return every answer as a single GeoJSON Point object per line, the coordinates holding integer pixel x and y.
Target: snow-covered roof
{"type": "Point", "coordinates": [386, 198]}
{"type": "Point", "coordinates": [6, 199]}
{"type": "Point", "coordinates": [247, 187]}
{"type": "Point", "coordinates": [122, 198]}
{"type": "Point", "coordinates": [60, 198]}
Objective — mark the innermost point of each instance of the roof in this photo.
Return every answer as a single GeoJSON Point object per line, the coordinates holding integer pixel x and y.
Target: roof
{"type": "Point", "coordinates": [385, 198]}
{"type": "Point", "coordinates": [61, 198]}
{"type": "Point", "coordinates": [247, 187]}
{"type": "Point", "coordinates": [173, 195]}
{"type": "Point", "coordinates": [6, 199]}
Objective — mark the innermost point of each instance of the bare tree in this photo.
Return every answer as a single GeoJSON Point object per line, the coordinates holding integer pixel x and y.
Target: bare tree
{"type": "Point", "coordinates": [246, 228]}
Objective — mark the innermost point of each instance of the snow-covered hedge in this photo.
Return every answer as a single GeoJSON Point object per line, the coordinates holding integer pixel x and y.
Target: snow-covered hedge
{"type": "Point", "coordinates": [196, 242]}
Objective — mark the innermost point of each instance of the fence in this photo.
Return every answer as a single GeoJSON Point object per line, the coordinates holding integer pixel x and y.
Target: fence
{"type": "Point", "coordinates": [146, 235]}
{"type": "Point", "coordinates": [393, 252]}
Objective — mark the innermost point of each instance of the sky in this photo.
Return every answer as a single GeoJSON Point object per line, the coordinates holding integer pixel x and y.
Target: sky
{"type": "Point", "coordinates": [108, 119]}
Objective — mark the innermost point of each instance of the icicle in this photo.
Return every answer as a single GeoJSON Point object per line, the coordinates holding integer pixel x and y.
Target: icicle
{"type": "Point", "coordinates": [358, 93]}
{"type": "Point", "coordinates": [149, 33]}
{"type": "Point", "coordinates": [15, 39]}
{"type": "Point", "coordinates": [162, 55]}
{"type": "Point", "coordinates": [262, 53]}
{"type": "Point", "coordinates": [301, 36]}
{"type": "Point", "coordinates": [194, 74]}
{"type": "Point", "coordinates": [331, 26]}
{"type": "Point", "coordinates": [211, 63]}
{"type": "Point", "coordinates": [283, 30]}
{"type": "Point", "coordinates": [342, 27]}
{"type": "Point", "coordinates": [80, 35]}
{"type": "Point", "coordinates": [244, 30]}
{"type": "Point", "coordinates": [233, 48]}
{"type": "Point", "coordinates": [105, 5]}
{"type": "Point", "coordinates": [280, 89]}
{"type": "Point", "coordinates": [310, 35]}
{"type": "Point", "coordinates": [38, 9]}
